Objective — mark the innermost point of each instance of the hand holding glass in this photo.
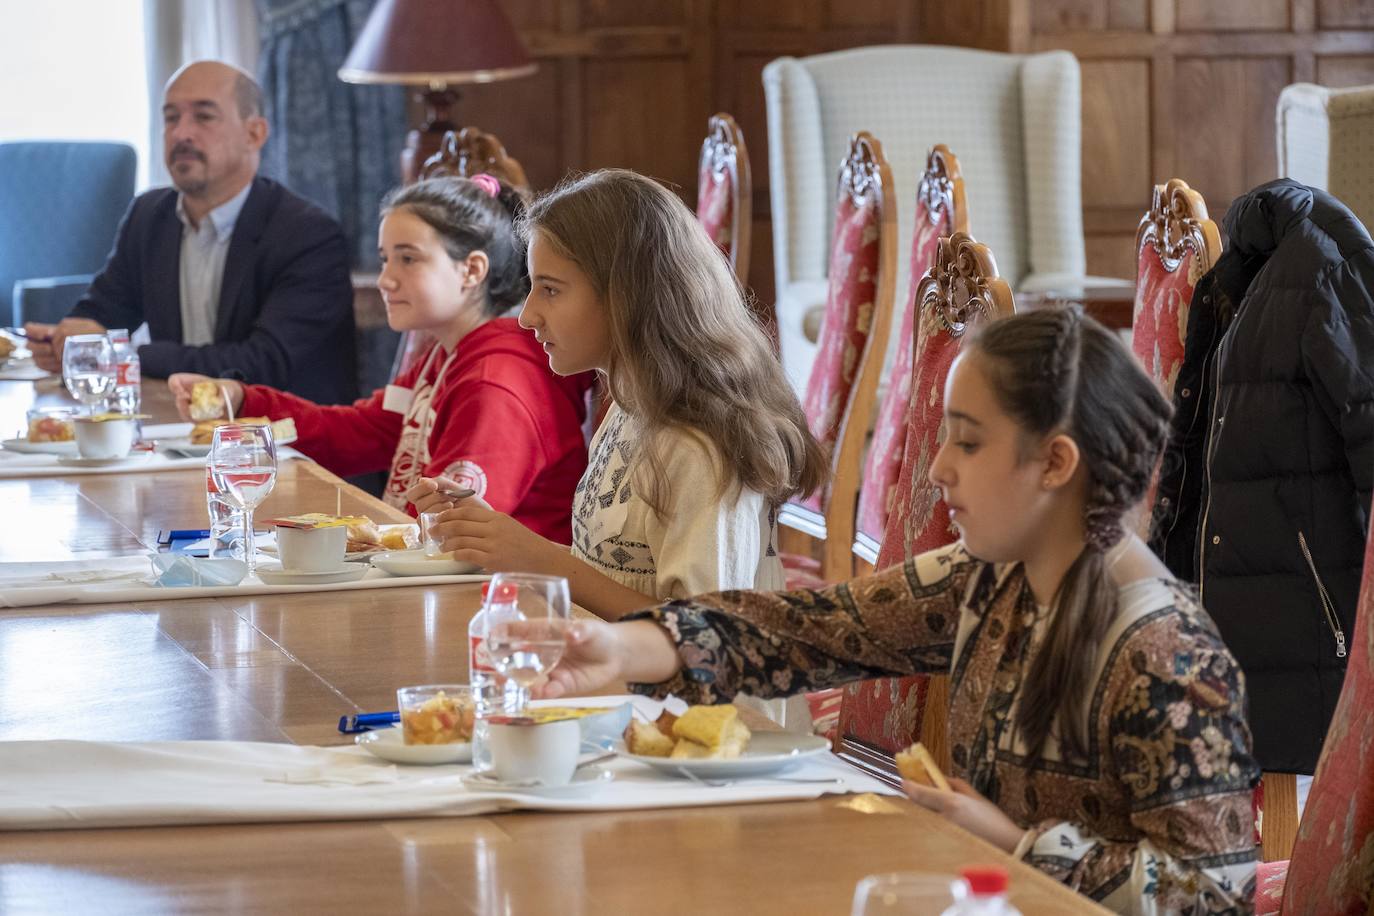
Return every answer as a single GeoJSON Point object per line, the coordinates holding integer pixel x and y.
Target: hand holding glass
{"type": "Point", "coordinates": [243, 463]}
{"type": "Point", "coordinates": [88, 368]}
{"type": "Point", "coordinates": [525, 645]}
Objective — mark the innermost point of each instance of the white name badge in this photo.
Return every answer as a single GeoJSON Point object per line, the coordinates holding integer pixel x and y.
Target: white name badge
{"type": "Point", "coordinates": [397, 399]}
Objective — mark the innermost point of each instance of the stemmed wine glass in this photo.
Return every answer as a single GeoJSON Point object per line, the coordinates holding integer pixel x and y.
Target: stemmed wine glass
{"type": "Point", "coordinates": [243, 464]}
{"type": "Point", "coordinates": [526, 627]}
{"type": "Point", "coordinates": [88, 368]}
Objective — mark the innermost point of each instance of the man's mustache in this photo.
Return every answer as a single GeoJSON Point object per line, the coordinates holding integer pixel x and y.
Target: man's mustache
{"type": "Point", "coordinates": [186, 149]}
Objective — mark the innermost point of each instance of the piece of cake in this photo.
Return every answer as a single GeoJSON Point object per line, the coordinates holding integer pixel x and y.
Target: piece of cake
{"type": "Point", "coordinates": [709, 726]}
{"type": "Point", "coordinates": [916, 764]}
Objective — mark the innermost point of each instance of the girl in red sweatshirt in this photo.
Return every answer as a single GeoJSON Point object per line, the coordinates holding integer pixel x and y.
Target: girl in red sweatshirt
{"type": "Point", "coordinates": [480, 405]}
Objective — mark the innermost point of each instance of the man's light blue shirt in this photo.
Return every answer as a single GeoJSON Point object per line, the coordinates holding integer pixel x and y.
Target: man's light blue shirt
{"type": "Point", "coordinates": [203, 250]}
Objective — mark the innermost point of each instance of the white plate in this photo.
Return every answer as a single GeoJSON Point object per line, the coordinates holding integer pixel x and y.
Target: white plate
{"type": "Point", "coordinates": [415, 563]}
{"type": "Point", "coordinates": [348, 572]}
{"type": "Point", "coordinates": [76, 461]}
{"type": "Point", "coordinates": [24, 446]}
{"type": "Point", "coordinates": [182, 446]}
{"type": "Point", "coordinates": [767, 752]}
{"type": "Point", "coordinates": [389, 744]}
{"type": "Point", "coordinates": [584, 778]}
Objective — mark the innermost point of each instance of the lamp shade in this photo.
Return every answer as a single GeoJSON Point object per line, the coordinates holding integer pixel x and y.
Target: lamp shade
{"type": "Point", "coordinates": [436, 42]}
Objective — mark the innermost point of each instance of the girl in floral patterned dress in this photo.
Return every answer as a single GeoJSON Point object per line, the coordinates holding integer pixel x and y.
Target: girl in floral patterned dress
{"type": "Point", "coordinates": [704, 437]}
{"type": "Point", "coordinates": [1097, 721]}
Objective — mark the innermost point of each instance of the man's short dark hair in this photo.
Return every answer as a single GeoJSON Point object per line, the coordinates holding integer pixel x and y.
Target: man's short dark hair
{"type": "Point", "coordinates": [248, 95]}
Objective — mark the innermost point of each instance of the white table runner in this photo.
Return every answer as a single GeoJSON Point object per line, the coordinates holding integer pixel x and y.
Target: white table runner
{"type": "Point", "coordinates": [80, 784]}
{"type": "Point", "coordinates": [128, 579]}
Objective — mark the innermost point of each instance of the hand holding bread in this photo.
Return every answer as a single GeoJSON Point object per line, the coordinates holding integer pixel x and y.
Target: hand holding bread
{"type": "Point", "coordinates": [201, 398]}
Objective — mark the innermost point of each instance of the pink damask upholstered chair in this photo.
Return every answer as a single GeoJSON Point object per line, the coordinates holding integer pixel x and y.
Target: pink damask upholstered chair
{"type": "Point", "coordinates": [1332, 868]}
{"type": "Point", "coordinates": [941, 211]}
{"type": "Point", "coordinates": [1175, 245]}
{"type": "Point", "coordinates": [724, 206]}
{"type": "Point", "coordinates": [841, 393]}
{"type": "Point", "coordinates": [963, 289]}
{"type": "Point", "coordinates": [462, 154]}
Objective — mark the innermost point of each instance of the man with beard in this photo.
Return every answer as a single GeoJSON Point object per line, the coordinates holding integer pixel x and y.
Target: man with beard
{"type": "Point", "coordinates": [233, 274]}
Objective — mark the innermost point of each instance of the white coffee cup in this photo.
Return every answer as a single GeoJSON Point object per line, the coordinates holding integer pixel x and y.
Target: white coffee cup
{"type": "Point", "coordinates": [546, 753]}
{"type": "Point", "coordinates": [311, 549]}
{"type": "Point", "coordinates": [105, 438]}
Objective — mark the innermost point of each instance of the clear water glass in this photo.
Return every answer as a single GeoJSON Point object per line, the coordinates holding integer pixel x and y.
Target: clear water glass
{"type": "Point", "coordinates": [88, 368]}
{"type": "Point", "coordinates": [243, 465]}
{"type": "Point", "coordinates": [525, 645]}
{"type": "Point", "coordinates": [905, 894]}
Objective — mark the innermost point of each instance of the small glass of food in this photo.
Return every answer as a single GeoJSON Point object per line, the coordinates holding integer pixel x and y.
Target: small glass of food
{"type": "Point", "coordinates": [51, 424]}
{"type": "Point", "coordinates": [436, 713]}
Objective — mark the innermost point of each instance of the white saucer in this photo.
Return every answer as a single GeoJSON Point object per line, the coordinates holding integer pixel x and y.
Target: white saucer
{"type": "Point", "coordinates": [25, 447]}
{"type": "Point", "coordinates": [348, 572]}
{"type": "Point", "coordinates": [585, 778]}
{"type": "Point", "coordinates": [767, 752]}
{"type": "Point", "coordinates": [389, 744]}
{"type": "Point", "coordinates": [76, 461]}
{"type": "Point", "coordinates": [415, 563]}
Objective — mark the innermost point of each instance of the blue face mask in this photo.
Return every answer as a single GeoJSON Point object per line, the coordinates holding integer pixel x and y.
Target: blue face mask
{"type": "Point", "coordinates": [180, 571]}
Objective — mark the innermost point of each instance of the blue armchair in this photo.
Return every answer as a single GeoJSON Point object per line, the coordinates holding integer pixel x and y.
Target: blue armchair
{"type": "Point", "coordinates": [60, 206]}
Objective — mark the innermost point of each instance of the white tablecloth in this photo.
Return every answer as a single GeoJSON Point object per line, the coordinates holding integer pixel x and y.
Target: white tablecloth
{"type": "Point", "coordinates": [15, 464]}
{"type": "Point", "coordinates": [79, 784]}
{"type": "Point", "coordinates": [128, 579]}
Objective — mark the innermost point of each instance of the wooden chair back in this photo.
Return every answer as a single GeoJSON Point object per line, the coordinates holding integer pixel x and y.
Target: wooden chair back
{"type": "Point", "coordinates": [472, 151]}
{"type": "Point", "coordinates": [941, 211]}
{"type": "Point", "coordinates": [724, 204]}
{"type": "Point", "coordinates": [963, 289]}
{"type": "Point", "coordinates": [841, 394]}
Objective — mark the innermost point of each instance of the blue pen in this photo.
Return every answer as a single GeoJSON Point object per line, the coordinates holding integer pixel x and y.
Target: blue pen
{"type": "Point", "coordinates": [366, 721]}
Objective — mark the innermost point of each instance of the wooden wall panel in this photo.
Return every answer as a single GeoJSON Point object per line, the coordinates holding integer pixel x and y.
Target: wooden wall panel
{"type": "Point", "coordinates": [1231, 15]}
{"type": "Point", "coordinates": [1180, 88]}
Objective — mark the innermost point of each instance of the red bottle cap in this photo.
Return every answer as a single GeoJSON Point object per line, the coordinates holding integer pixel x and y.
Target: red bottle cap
{"type": "Point", "coordinates": [985, 879]}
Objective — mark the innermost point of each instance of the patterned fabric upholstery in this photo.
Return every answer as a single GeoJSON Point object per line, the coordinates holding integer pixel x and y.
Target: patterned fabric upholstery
{"type": "Point", "coordinates": [1325, 139]}
{"type": "Point", "coordinates": [919, 520]}
{"type": "Point", "coordinates": [1332, 869]}
{"type": "Point", "coordinates": [885, 713]}
{"type": "Point", "coordinates": [877, 493]}
{"type": "Point", "coordinates": [1160, 325]}
{"type": "Point", "coordinates": [715, 210]}
{"type": "Point", "coordinates": [848, 322]}
{"type": "Point", "coordinates": [1269, 881]}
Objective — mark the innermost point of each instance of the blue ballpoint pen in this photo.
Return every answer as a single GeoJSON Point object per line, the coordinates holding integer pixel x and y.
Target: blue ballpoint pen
{"type": "Point", "coordinates": [366, 721]}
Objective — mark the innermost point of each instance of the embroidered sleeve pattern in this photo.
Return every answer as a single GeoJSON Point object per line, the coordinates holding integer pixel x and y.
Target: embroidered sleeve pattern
{"type": "Point", "coordinates": [1181, 750]}
{"type": "Point", "coordinates": [897, 622]}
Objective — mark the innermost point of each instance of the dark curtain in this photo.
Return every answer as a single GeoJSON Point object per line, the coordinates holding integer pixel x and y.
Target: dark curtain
{"type": "Point", "coordinates": [334, 143]}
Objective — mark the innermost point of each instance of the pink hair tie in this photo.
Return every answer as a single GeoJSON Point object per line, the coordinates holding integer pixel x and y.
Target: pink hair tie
{"type": "Point", "coordinates": [487, 183]}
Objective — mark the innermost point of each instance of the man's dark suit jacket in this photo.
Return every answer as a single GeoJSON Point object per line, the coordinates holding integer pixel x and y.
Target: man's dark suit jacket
{"type": "Point", "coordinates": [285, 314]}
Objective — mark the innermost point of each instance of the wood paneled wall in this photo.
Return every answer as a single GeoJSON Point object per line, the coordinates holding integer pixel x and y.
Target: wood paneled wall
{"type": "Point", "coordinates": [1182, 88]}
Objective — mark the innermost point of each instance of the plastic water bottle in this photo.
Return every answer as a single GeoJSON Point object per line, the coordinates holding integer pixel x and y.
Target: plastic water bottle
{"type": "Point", "coordinates": [127, 395]}
{"type": "Point", "coordinates": [492, 694]}
{"type": "Point", "coordinates": [986, 893]}
{"type": "Point", "coordinates": [226, 521]}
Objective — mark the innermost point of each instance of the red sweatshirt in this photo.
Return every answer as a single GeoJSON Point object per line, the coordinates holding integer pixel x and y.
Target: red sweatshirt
{"type": "Point", "coordinates": [500, 422]}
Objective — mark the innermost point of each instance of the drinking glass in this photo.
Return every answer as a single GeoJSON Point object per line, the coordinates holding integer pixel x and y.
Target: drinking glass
{"type": "Point", "coordinates": [904, 894]}
{"type": "Point", "coordinates": [88, 368]}
{"type": "Point", "coordinates": [243, 464]}
{"type": "Point", "coordinates": [525, 627]}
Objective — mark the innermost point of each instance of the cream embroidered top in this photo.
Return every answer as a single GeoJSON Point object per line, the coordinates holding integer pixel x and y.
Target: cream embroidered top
{"type": "Point", "coordinates": [703, 544]}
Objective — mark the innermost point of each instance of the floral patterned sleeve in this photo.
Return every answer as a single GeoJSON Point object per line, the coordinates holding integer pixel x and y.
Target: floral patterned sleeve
{"type": "Point", "coordinates": [900, 621]}
{"type": "Point", "coordinates": [1175, 722]}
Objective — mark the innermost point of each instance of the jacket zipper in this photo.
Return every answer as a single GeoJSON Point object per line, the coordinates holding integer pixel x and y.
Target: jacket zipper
{"type": "Point", "coordinates": [1183, 477]}
{"type": "Point", "coordinates": [1207, 453]}
{"type": "Point", "coordinates": [1327, 607]}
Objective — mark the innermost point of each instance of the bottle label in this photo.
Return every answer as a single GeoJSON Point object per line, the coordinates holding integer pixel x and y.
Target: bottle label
{"type": "Point", "coordinates": [479, 657]}
{"type": "Point", "coordinates": [127, 373]}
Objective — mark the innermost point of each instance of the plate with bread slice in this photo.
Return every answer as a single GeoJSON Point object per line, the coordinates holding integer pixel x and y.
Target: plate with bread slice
{"type": "Point", "coordinates": [710, 742]}
{"type": "Point", "coordinates": [197, 443]}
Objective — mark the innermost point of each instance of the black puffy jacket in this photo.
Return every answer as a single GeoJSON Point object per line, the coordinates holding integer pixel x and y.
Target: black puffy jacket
{"type": "Point", "coordinates": [1264, 495]}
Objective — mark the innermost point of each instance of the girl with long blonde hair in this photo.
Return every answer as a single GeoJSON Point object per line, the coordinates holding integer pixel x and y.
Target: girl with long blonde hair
{"type": "Point", "coordinates": [704, 437]}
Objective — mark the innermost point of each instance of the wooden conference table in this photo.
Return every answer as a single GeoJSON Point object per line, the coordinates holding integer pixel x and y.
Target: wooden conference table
{"type": "Point", "coordinates": [284, 668]}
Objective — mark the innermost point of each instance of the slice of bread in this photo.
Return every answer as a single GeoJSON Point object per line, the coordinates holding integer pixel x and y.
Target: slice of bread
{"type": "Point", "coordinates": [916, 764]}
{"type": "Point", "coordinates": [645, 739]}
{"type": "Point", "coordinates": [207, 403]}
{"type": "Point", "coordinates": [709, 726]}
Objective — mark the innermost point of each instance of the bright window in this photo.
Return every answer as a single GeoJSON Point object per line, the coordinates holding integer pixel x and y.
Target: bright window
{"type": "Point", "coordinates": [74, 70]}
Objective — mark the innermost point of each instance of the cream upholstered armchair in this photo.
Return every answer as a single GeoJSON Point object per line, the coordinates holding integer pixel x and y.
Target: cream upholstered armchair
{"type": "Point", "coordinates": [1013, 118]}
{"type": "Point", "coordinates": [1326, 140]}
